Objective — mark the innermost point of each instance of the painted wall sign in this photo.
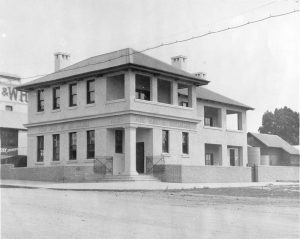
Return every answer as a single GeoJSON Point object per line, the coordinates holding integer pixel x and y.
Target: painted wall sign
{"type": "Point", "coordinates": [14, 95]}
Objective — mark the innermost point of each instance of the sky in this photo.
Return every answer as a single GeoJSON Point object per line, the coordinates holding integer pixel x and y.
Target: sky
{"type": "Point", "coordinates": [258, 65]}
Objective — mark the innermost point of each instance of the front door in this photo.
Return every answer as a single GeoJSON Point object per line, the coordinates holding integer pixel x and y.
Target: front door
{"type": "Point", "coordinates": [140, 157]}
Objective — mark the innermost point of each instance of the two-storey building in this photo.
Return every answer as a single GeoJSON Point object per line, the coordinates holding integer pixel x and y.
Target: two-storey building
{"type": "Point", "coordinates": [135, 115]}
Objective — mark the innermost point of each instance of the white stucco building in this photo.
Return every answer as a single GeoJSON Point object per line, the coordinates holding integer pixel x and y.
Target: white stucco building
{"type": "Point", "coordinates": [134, 114]}
{"type": "Point", "coordinates": [13, 116]}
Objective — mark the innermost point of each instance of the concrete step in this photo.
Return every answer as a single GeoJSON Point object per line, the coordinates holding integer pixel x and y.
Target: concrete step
{"type": "Point", "coordinates": [141, 177]}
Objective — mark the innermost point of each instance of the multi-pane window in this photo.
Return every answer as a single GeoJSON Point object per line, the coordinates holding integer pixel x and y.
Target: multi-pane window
{"type": "Point", "coordinates": [55, 139]}
{"type": "Point", "coordinates": [208, 121]}
{"type": "Point", "coordinates": [119, 141]}
{"type": "Point", "coordinates": [40, 148]}
{"type": "Point", "coordinates": [165, 141]}
{"type": "Point", "coordinates": [209, 159]}
{"type": "Point", "coordinates": [90, 144]}
{"type": "Point", "coordinates": [90, 91]}
{"type": "Point", "coordinates": [56, 98]}
{"type": "Point", "coordinates": [142, 87]}
{"type": "Point", "coordinates": [185, 143]}
{"type": "Point", "coordinates": [8, 108]}
{"type": "Point", "coordinates": [40, 100]}
{"type": "Point", "coordinates": [72, 146]}
{"type": "Point", "coordinates": [73, 94]}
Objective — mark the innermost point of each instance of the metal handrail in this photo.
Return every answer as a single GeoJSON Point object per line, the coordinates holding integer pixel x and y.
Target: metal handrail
{"type": "Point", "coordinates": [151, 169]}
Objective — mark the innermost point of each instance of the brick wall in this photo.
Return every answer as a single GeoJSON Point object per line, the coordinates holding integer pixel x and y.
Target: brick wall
{"type": "Point", "coordinates": [52, 174]}
{"type": "Point", "coordinates": [276, 173]}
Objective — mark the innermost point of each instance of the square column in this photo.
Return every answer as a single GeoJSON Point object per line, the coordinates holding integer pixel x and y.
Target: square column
{"type": "Point", "coordinates": [192, 96]}
{"type": "Point", "coordinates": [174, 93]}
{"type": "Point", "coordinates": [130, 151]}
{"type": "Point", "coordinates": [154, 89]}
{"type": "Point", "coordinates": [225, 157]}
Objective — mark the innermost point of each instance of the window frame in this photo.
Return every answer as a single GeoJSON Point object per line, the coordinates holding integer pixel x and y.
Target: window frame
{"type": "Point", "coordinates": [55, 148]}
{"type": "Point", "coordinates": [40, 100]}
{"type": "Point", "coordinates": [56, 99]}
{"type": "Point", "coordinates": [90, 147]}
{"type": "Point", "coordinates": [210, 160]}
{"type": "Point", "coordinates": [40, 148]}
{"type": "Point", "coordinates": [89, 92]}
{"type": "Point", "coordinates": [165, 144]}
{"type": "Point", "coordinates": [210, 121]}
{"type": "Point", "coordinates": [72, 95]}
{"type": "Point", "coordinates": [9, 108]}
{"type": "Point", "coordinates": [118, 141]}
{"type": "Point", "coordinates": [72, 147]}
{"type": "Point", "coordinates": [185, 144]}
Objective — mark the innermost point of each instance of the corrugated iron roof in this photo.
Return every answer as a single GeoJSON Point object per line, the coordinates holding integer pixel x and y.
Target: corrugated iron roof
{"type": "Point", "coordinates": [274, 141]}
{"type": "Point", "coordinates": [111, 60]}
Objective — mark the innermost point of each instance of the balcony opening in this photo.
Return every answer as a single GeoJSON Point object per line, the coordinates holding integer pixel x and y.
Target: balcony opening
{"type": "Point", "coordinates": [115, 88]}
{"type": "Point", "coordinates": [142, 87]}
{"type": "Point", "coordinates": [164, 91]}
{"type": "Point", "coordinates": [212, 117]}
{"type": "Point", "coordinates": [184, 95]}
{"type": "Point", "coordinates": [213, 154]}
{"type": "Point", "coordinates": [233, 120]}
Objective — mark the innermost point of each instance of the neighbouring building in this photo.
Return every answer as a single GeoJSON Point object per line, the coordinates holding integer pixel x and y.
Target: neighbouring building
{"type": "Point", "coordinates": [13, 116]}
{"type": "Point", "coordinates": [135, 114]}
{"type": "Point", "coordinates": [269, 149]}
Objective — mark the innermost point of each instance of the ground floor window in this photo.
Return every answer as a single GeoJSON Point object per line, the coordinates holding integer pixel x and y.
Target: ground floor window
{"type": "Point", "coordinates": [90, 144]}
{"type": "Point", "coordinates": [165, 141]}
{"type": "Point", "coordinates": [185, 143]}
{"type": "Point", "coordinates": [209, 159]}
{"type": "Point", "coordinates": [55, 147]}
{"type": "Point", "coordinates": [119, 141]}
{"type": "Point", "coordinates": [72, 146]}
{"type": "Point", "coordinates": [40, 148]}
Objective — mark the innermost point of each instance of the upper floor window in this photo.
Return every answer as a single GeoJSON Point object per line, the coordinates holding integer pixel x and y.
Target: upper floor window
{"type": "Point", "coordinates": [165, 141]}
{"type": "Point", "coordinates": [90, 144]}
{"type": "Point", "coordinates": [142, 87]}
{"type": "Point", "coordinates": [119, 141]}
{"type": "Point", "coordinates": [185, 143]}
{"type": "Point", "coordinates": [56, 98]}
{"type": "Point", "coordinates": [115, 87]}
{"type": "Point", "coordinates": [164, 91]}
{"type": "Point", "coordinates": [40, 100]}
{"type": "Point", "coordinates": [73, 94]}
{"type": "Point", "coordinates": [72, 146]}
{"type": "Point", "coordinates": [55, 139]}
{"type": "Point", "coordinates": [40, 148]}
{"type": "Point", "coordinates": [90, 91]}
{"type": "Point", "coordinates": [8, 108]}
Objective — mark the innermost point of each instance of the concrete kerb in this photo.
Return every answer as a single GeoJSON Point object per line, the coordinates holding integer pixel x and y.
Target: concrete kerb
{"type": "Point", "coordinates": [133, 186]}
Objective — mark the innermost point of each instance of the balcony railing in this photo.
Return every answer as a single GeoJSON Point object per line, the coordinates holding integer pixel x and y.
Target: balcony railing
{"type": "Point", "coordinates": [152, 161]}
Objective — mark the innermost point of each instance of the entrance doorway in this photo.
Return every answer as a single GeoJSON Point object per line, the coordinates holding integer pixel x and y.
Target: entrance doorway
{"type": "Point", "coordinates": [140, 155]}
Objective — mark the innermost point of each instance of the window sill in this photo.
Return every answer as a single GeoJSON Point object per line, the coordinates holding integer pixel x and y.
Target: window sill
{"type": "Point", "coordinates": [40, 112]}
{"type": "Point", "coordinates": [55, 162]}
{"type": "Point", "coordinates": [39, 163]}
{"type": "Point", "coordinates": [211, 127]}
{"type": "Point", "coordinates": [72, 161]}
{"type": "Point", "coordinates": [115, 101]}
{"type": "Point", "coordinates": [234, 130]}
{"type": "Point", "coordinates": [73, 107]}
{"type": "Point", "coordinates": [55, 110]}
{"type": "Point", "coordinates": [90, 105]}
{"type": "Point", "coordinates": [164, 104]}
{"type": "Point", "coordinates": [166, 154]}
{"type": "Point", "coordinates": [185, 155]}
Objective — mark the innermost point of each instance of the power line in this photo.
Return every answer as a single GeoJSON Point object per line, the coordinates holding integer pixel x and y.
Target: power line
{"type": "Point", "coordinates": [177, 41]}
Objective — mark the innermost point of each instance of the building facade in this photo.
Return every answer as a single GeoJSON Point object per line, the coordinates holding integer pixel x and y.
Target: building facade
{"type": "Point", "coordinates": [132, 112]}
{"type": "Point", "coordinates": [13, 116]}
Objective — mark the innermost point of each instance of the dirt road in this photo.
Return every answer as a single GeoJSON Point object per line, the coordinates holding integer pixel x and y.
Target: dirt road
{"type": "Point", "coordinates": [211, 213]}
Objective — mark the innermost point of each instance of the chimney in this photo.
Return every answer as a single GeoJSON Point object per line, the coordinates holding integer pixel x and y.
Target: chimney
{"type": "Point", "coordinates": [201, 75]}
{"type": "Point", "coordinates": [61, 60]}
{"type": "Point", "coordinates": [179, 62]}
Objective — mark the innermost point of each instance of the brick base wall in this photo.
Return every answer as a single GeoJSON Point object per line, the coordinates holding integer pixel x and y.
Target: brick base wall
{"type": "Point", "coordinates": [52, 174]}
{"type": "Point", "coordinates": [202, 174]}
{"type": "Point", "coordinates": [276, 173]}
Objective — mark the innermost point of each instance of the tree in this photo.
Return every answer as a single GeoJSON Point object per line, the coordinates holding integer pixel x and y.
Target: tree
{"type": "Point", "coordinates": [284, 122]}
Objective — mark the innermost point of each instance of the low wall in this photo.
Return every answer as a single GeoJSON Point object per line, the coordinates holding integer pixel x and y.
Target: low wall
{"type": "Point", "coordinates": [276, 173]}
{"type": "Point", "coordinates": [60, 173]}
{"type": "Point", "coordinates": [202, 174]}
